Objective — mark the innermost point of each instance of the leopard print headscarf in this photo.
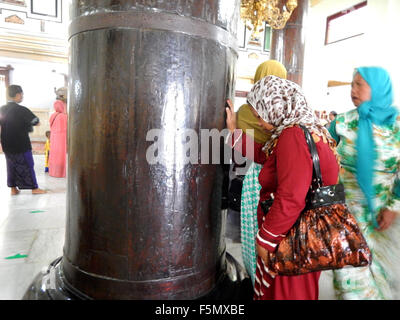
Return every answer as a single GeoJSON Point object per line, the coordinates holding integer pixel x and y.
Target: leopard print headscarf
{"type": "Point", "coordinates": [282, 104]}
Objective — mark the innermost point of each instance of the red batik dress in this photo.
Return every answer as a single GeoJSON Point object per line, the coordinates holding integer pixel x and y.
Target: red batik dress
{"type": "Point", "coordinates": [286, 173]}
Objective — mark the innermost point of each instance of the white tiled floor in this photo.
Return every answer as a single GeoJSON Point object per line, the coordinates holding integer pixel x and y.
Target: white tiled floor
{"type": "Point", "coordinates": [34, 225]}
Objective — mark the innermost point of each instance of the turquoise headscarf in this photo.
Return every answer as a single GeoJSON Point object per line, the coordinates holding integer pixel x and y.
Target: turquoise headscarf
{"type": "Point", "coordinates": [379, 111]}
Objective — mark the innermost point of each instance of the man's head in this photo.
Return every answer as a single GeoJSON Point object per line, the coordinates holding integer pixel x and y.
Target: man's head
{"type": "Point", "coordinates": [15, 93]}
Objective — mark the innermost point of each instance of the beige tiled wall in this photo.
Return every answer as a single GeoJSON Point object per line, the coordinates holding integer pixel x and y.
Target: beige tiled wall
{"type": "Point", "coordinates": [39, 132]}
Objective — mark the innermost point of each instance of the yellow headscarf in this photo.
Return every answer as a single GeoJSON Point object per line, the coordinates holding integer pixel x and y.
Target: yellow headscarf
{"type": "Point", "coordinates": [270, 68]}
{"type": "Point", "coordinates": [245, 119]}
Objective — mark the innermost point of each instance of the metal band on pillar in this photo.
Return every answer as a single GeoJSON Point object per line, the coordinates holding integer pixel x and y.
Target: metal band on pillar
{"type": "Point", "coordinates": [145, 20]}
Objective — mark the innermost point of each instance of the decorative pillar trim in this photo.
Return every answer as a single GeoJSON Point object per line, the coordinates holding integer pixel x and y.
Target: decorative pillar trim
{"type": "Point", "coordinates": [146, 20]}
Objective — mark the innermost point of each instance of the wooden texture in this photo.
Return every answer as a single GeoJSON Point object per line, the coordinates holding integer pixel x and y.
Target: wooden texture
{"type": "Point", "coordinates": [137, 230]}
{"type": "Point", "coordinates": [287, 45]}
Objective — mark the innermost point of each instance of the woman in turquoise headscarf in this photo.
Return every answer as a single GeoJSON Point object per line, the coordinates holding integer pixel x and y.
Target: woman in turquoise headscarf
{"type": "Point", "coordinates": [369, 146]}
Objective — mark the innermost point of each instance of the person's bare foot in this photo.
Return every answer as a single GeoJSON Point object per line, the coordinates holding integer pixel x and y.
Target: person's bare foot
{"type": "Point", "coordinates": [38, 191]}
{"type": "Point", "coordinates": [14, 191]}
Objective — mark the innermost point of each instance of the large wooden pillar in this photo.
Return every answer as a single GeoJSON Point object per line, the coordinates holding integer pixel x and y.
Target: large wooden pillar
{"type": "Point", "coordinates": [140, 230]}
{"type": "Point", "coordinates": [287, 45]}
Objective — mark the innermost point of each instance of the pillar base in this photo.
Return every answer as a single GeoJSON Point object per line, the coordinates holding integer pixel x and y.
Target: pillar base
{"type": "Point", "coordinates": [234, 284]}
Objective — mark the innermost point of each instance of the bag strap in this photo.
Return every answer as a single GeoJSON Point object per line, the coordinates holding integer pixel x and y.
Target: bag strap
{"type": "Point", "coordinates": [317, 177]}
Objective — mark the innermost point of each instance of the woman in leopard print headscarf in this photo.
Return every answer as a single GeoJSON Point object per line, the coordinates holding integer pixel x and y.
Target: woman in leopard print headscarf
{"type": "Point", "coordinates": [286, 173]}
{"type": "Point", "coordinates": [282, 104]}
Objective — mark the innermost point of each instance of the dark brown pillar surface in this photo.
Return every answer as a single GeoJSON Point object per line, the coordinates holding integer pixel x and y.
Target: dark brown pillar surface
{"type": "Point", "coordinates": [137, 230]}
{"type": "Point", "coordinates": [287, 44]}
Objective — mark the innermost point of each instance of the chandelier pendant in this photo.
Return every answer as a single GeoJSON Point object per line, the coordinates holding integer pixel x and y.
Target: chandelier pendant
{"type": "Point", "coordinates": [255, 12]}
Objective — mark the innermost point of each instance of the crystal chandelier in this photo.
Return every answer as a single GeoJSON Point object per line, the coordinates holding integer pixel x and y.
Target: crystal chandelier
{"type": "Point", "coordinates": [255, 12]}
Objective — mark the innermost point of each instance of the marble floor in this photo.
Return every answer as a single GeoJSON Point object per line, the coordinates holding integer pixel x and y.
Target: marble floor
{"type": "Point", "coordinates": [32, 229]}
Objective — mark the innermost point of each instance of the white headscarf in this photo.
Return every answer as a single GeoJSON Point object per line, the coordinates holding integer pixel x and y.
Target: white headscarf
{"type": "Point", "coordinates": [282, 104]}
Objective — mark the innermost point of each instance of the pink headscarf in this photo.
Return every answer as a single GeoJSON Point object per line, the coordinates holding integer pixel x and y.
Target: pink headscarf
{"type": "Point", "coordinates": [60, 107]}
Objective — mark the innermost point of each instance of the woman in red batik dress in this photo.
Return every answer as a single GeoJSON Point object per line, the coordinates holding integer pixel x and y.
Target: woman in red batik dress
{"type": "Point", "coordinates": [286, 176]}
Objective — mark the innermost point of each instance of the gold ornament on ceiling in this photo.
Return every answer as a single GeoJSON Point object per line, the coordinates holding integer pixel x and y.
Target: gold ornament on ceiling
{"type": "Point", "coordinates": [255, 12]}
{"type": "Point", "coordinates": [14, 19]}
{"type": "Point", "coordinates": [15, 2]}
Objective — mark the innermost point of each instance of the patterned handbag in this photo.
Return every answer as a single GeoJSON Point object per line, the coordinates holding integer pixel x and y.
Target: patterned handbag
{"type": "Point", "coordinates": [326, 235]}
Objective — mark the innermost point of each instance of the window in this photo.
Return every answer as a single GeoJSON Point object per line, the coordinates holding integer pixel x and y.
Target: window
{"type": "Point", "coordinates": [267, 37]}
{"type": "Point", "coordinates": [241, 34]}
{"type": "Point", "coordinates": [44, 7]}
{"type": "Point", "coordinates": [49, 10]}
{"type": "Point", "coordinates": [346, 24]}
{"type": "Point", "coordinates": [4, 83]}
{"type": "Point", "coordinates": [3, 98]}
{"type": "Point", "coordinates": [247, 40]}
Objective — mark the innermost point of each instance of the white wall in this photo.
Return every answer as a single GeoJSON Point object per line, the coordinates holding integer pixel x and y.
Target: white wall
{"type": "Point", "coordinates": [33, 24]}
{"type": "Point", "coordinates": [35, 76]}
{"type": "Point", "coordinates": [246, 67]}
{"type": "Point", "coordinates": [383, 40]}
{"type": "Point", "coordinates": [249, 58]}
{"type": "Point", "coordinates": [378, 46]}
{"type": "Point", "coordinates": [332, 62]}
{"type": "Point", "coordinates": [37, 80]}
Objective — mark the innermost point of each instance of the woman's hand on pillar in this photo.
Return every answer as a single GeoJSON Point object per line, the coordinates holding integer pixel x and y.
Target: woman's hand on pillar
{"type": "Point", "coordinates": [230, 116]}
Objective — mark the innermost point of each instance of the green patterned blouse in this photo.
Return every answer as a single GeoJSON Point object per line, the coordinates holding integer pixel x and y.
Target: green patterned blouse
{"type": "Point", "coordinates": [387, 142]}
{"type": "Point", "coordinates": [381, 279]}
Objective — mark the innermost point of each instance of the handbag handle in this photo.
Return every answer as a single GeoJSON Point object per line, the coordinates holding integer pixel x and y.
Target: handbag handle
{"type": "Point", "coordinates": [319, 195]}
{"type": "Point", "coordinates": [317, 177]}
